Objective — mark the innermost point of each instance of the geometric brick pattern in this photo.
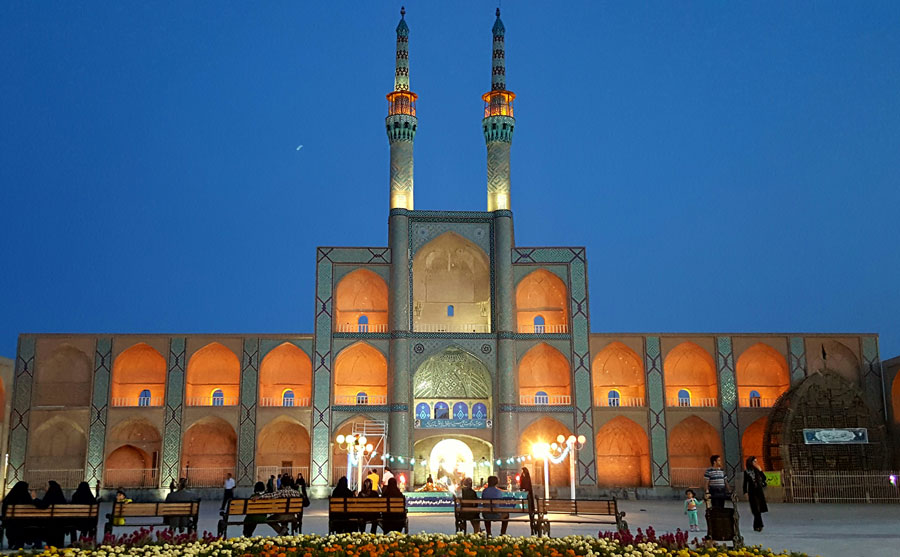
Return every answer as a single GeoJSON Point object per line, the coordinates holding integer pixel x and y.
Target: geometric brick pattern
{"type": "Point", "coordinates": [728, 405]}
{"type": "Point", "coordinates": [171, 450]}
{"type": "Point", "coordinates": [872, 382]}
{"type": "Point", "coordinates": [21, 407]}
{"type": "Point", "coordinates": [246, 472]}
{"type": "Point", "coordinates": [93, 471]}
{"type": "Point", "coordinates": [659, 450]}
{"type": "Point", "coordinates": [798, 360]}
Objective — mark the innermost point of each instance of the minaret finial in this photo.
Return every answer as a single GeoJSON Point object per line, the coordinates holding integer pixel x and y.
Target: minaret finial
{"type": "Point", "coordinates": [401, 123]}
{"type": "Point", "coordinates": [498, 124]}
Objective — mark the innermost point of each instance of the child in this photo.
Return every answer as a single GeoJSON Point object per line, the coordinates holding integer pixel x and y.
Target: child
{"type": "Point", "coordinates": [690, 509]}
{"type": "Point", "coordinates": [120, 498]}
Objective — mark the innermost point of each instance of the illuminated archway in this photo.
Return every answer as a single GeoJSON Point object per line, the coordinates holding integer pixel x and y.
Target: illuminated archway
{"type": "Point", "coordinates": [752, 440]}
{"type": "Point", "coordinates": [618, 368]}
{"type": "Point", "coordinates": [545, 430]}
{"type": "Point", "coordinates": [840, 359]}
{"type": "Point", "coordinates": [57, 444]}
{"type": "Point", "coordinates": [623, 454]}
{"type": "Point", "coordinates": [209, 451]}
{"type": "Point", "coordinates": [451, 271]}
{"type": "Point", "coordinates": [285, 368]}
{"type": "Point", "coordinates": [691, 443]}
{"type": "Point", "coordinates": [360, 368]}
{"type": "Point", "coordinates": [541, 302]}
{"type": "Point", "coordinates": [283, 446]}
{"type": "Point", "coordinates": [213, 368]}
{"type": "Point", "coordinates": [361, 303]}
{"type": "Point", "coordinates": [137, 369]}
{"type": "Point", "coordinates": [762, 376]}
{"type": "Point", "coordinates": [691, 368]}
{"type": "Point", "coordinates": [544, 369]}
{"type": "Point", "coordinates": [64, 379]}
{"type": "Point", "coordinates": [129, 466]}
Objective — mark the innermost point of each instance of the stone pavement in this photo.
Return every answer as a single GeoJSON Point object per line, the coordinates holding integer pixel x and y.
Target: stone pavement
{"type": "Point", "coordinates": [824, 529]}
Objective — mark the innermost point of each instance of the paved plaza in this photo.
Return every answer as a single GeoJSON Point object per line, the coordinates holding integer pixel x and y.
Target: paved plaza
{"type": "Point", "coordinates": [824, 529]}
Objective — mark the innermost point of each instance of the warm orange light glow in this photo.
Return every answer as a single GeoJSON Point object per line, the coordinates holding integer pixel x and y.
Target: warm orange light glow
{"type": "Point", "coordinates": [136, 369]}
{"type": "Point", "coordinates": [544, 368]}
{"type": "Point", "coordinates": [623, 454]}
{"type": "Point", "coordinates": [402, 102]}
{"type": "Point", "coordinates": [498, 103]}
{"type": "Point", "coordinates": [540, 450]}
{"type": "Point", "coordinates": [617, 368]}
{"type": "Point", "coordinates": [210, 368]}
{"type": "Point", "coordinates": [763, 369]}
{"type": "Point", "coordinates": [689, 367]}
{"type": "Point", "coordinates": [542, 294]}
{"type": "Point", "coordinates": [361, 293]}
{"type": "Point", "coordinates": [360, 368]}
{"type": "Point", "coordinates": [285, 368]}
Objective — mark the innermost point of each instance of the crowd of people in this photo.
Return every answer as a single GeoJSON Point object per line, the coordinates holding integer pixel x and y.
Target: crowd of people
{"type": "Point", "coordinates": [23, 532]}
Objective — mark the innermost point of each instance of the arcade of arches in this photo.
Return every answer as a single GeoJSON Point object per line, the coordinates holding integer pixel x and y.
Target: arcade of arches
{"type": "Point", "coordinates": [138, 377]}
{"type": "Point", "coordinates": [623, 454]}
{"type": "Point", "coordinates": [618, 376]}
{"type": "Point", "coordinates": [541, 301]}
{"type": "Point", "coordinates": [57, 444]}
{"type": "Point", "coordinates": [361, 303]}
{"type": "Point", "coordinates": [762, 376]}
{"type": "Point", "coordinates": [213, 375]}
{"type": "Point", "coordinates": [285, 369]}
{"type": "Point", "coordinates": [545, 430]}
{"type": "Point", "coordinates": [64, 379]}
{"type": "Point", "coordinates": [543, 369]}
{"type": "Point", "coordinates": [690, 376]}
{"type": "Point", "coordinates": [451, 286]}
{"type": "Point", "coordinates": [283, 442]}
{"type": "Point", "coordinates": [691, 443]}
{"type": "Point", "coordinates": [209, 444]}
{"type": "Point", "coordinates": [360, 373]}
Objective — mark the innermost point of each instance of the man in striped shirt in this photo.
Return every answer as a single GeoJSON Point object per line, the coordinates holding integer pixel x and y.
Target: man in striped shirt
{"type": "Point", "coordinates": [714, 482]}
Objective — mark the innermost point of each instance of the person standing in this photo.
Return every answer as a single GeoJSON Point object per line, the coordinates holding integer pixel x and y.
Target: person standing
{"type": "Point", "coordinates": [526, 486]}
{"type": "Point", "coordinates": [386, 477]}
{"type": "Point", "coordinates": [270, 485]}
{"type": "Point", "coordinates": [754, 485]}
{"type": "Point", "coordinates": [691, 505]}
{"type": "Point", "coordinates": [229, 490]}
{"type": "Point", "coordinates": [714, 482]}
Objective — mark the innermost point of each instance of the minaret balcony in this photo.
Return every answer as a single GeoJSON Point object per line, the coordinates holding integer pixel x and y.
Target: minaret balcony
{"type": "Point", "coordinates": [498, 103]}
{"type": "Point", "coordinates": [402, 102]}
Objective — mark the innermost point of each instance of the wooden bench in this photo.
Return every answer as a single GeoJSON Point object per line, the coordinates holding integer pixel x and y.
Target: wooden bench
{"type": "Point", "coordinates": [579, 511]}
{"type": "Point", "coordinates": [148, 511]}
{"type": "Point", "coordinates": [67, 517]}
{"type": "Point", "coordinates": [469, 510]}
{"type": "Point", "coordinates": [344, 511]}
{"type": "Point", "coordinates": [268, 507]}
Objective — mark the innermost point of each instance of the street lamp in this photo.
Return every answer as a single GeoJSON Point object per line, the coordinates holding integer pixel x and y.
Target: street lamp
{"type": "Point", "coordinates": [542, 451]}
{"type": "Point", "coordinates": [573, 444]}
{"type": "Point", "coordinates": [356, 447]}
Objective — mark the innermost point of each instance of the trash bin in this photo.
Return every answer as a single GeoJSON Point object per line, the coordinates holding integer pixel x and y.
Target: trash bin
{"type": "Point", "coordinates": [723, 525]}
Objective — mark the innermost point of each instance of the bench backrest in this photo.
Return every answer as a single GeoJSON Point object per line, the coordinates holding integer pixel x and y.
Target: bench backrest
{"type": "Point", "coordinates": [53, 511]}
{"type": "Point", "coordinates": [291, 505]}
{"type": "Point", "coordinates": [366, 505]}
{"type": "Point", "coordinates": [512, 506]}
{"type": "Point", "coordinates": [180, 508]}
{"type": "Point", "coordinates": [606, 507]}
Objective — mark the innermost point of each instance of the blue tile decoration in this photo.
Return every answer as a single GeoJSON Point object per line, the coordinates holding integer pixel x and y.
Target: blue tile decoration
{"type": "Point", "coordinates": [872, 380]}
{"type": "Point", "coordinates": [430, 423]}
{"type": "Point", "coordinates": [659, 449]}
{"type": "Point", "coordinates": [171, 450]}
{"type": "Point", "coordinates": [728, 404]}
{"type": "Point", "coordinates": [798, 359]}
{"type": "Point", "coordinates": [93, 470]}
{"type": "Point", "coordinates": [21, 407]}
{"type": "Point", "coordinates": [246, 469]}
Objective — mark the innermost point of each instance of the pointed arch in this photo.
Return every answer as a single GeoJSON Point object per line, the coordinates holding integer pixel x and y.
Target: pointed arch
{"type": "Point", "coordinates": [541, 294]}
{"type": "Point", "coordinates": [57, 444]}
{"type": "Point", "coordinates": [752, 440]}
{"type": "Point", "coordinates": [360, 368]}
{"type": "Point", "coordinates": [761, 370]}
{"type": "Point", "coordinates": [213, 368]}
{"type": "Point", "coordinates": [138, 368]}
{"type": "Point", "coordinates": [283, 443]}
{"type": "Point", "coordinates": [618, 368]}
{"type": "Point", "coordinates": [361, 303]}
{"type": "Point", "coordinates": [623, 454]}
{"type": "Point", "coordinates": [544, 368]}
{"type": "Point", "coordinates": [840, 360]}
{"type": "Point", "coordinates": [895, 398]}
{"type": "Point", "coordinates": [691, 442]}
{"type": "Point", "coordinates": [545, 430]}
{"type": "Point", "coordinates": [209, 451]}
{"type": "Point", "coordinates": [285, 368]}
{"type": "Point", "coordinates": [691, 368]}
{"type": "Point", "coordinates": [64, 379]}
{"type": "Point", "coordinates": [451, 270]}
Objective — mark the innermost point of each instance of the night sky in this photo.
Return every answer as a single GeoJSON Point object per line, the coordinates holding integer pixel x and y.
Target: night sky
{"type": "Point", "coordinates": [730, 167]}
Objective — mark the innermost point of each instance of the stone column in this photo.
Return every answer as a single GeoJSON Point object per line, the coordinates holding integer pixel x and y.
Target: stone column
{"type": "Point", "coordinates": [246, 468]}
{"type": "Point", "coordinates": [170, 466]}
{"type": "Point", "coordinates": [506, 428]}
{"type": "Point", "coordinates": [399, 430]}
{"type": "Point", "coordinates": [93, 470]}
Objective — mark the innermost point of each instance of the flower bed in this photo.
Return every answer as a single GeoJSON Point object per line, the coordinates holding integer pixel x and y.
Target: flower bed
{"type": "Point", "coordinates": [398, 545]}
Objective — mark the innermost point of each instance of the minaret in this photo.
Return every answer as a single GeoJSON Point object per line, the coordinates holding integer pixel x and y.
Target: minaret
{"type": "Point", "coordinates": [498, 125]}
{"type": "Point", "coordinates": [401, 124]}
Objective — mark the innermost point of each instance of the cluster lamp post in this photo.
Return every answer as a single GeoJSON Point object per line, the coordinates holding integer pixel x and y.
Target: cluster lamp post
{"type": "Point", "coordinates": [357, 447]}
{"type": "Point", "coordinates": [567, 446]}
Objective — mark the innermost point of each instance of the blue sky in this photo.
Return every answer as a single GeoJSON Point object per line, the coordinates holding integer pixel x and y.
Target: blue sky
{"type": "Point", "coordinates": [729, 166]}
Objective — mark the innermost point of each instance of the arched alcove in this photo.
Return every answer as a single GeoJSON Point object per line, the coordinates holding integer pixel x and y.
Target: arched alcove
{"type": "Point", "coordinates": [130, 466]}
{"type": "Point", "coordinates": [541, 302]}
{"type": "Point", "coordinates": [752, 440]}
{"type": "Point", "coordinates": [209, 452]}
{"type": "Point", "coordinates": [895, 398]}
{"type": "Point", "coordinates": [285, 369]}
{"type": "Point", "coordinates": [544, 369]}
{"type": "Point", "coordinates": [58, 444]}
{"type": "Point", "coordinates": [138, 369]}
{"type": "Point", "coordinates": [64, 379]}
{"type": "Point", "coordinates": [361, 303]}
{"type": "Point", "coordinates": [762, 376]}
{"type": "Point", "coordinates": [282, 446]}
{"type": "Point", "coordinates": [689, 368]}
{"type": "Point", "coordinates": [360, 368]}
{"type": "Point", "coordinates": [691, 443]}
{"type": "Point", "coordinates": [545, 430]}
{"type": "Point", "coordinates": [623, 454]}
{"type": "Point", "coordinates": [838, 358]}
{"type": "Point", "coordinates": [451, 271]}
{"type": "Point", "coordinates": [213, 368]}
{"type": "Point", "coordinates": [618, 369]}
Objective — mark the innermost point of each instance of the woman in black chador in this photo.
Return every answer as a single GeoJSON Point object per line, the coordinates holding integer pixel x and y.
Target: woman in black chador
{"type": "Point", "coordinates": [17, 530]}
{"type": "Point", "coordinates": [754, 485]}
{"type": "Point", "coordinates": [53, 535]}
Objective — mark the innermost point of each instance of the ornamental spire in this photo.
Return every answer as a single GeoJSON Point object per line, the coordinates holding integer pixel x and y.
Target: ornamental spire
{"type": "Point", "coordinates": [401, 74]}
{"type": "Point", "coordinates": [498, 67]}
{"type": "Point", "coordinates": [401, 123]}
{"type": "Point", "coordinates": [498, 124]}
